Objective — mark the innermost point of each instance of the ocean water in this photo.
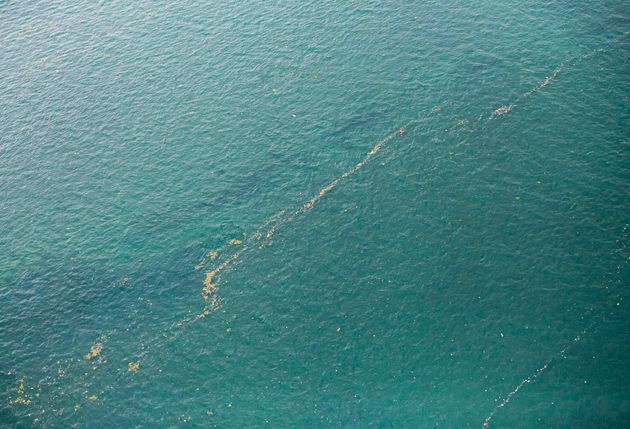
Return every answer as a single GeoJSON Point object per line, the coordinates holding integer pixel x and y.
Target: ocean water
{"type": "Point", "coordinates": [471, 271]}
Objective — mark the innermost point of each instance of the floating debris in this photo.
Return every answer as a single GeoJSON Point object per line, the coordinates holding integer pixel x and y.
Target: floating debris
{"type": "Point", "coordinates": [95, 351]}
{"type": "Point", "coordinates": [21, 401]}
{"type": "Point", "coordinates": [133, 366]}
{"type": "Point", "coordinates": [208, 287]}
{"type": "Point", "coordinates": [530, 379]}
{"type": "Point", "coordinates": [502, 110]}
{"type": "Point", "coordinates": [201, 263]}
{"type": "Point", "coordinates": [204, 313]}
{"type": "Point", "coordinates": [549, 79]}
{"type": "Point", "coordinates": [272, 224]}
{"type": "Point", "coordinates": [213, 255]}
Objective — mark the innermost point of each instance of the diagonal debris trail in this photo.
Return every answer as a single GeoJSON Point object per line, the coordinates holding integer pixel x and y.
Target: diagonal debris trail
{"type": "Point", "coordinates": [274, 222]}
{"type": "Point", "coordinates": [533, 377]}
{"type": "Point", "coordinates": [265, 232]}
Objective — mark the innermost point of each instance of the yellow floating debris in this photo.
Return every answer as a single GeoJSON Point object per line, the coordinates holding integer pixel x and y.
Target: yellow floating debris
{"type": "Point", "coordinates": [23, 398]}
{"type": "Point", "coordinates": [77, 407]}
{"type": "Point", "coordinates": [21, 401]}
{"type": "Point", "coordinates": [209, 292]}
{"type": "Point", "coordinates": [92, 398]}
{"type": "Point", "coordinates": [95, 350]}
{"type": "Point", "coordinates": [209, 287]}
{"type": "Point", "coordinates": [204, 313]}
{"type": "Point", "coordinates": [133, 366]}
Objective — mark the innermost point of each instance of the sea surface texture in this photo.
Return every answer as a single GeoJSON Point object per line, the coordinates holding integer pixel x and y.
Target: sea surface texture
{"type": "Point", "coordinates": [314, 214]}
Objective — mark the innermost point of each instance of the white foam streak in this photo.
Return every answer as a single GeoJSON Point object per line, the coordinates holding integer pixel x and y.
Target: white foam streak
{"type": "Point", "coordinates": [531, 378]}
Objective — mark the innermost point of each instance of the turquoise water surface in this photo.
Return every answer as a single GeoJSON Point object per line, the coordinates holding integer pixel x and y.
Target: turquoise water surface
{"type": "Point", "coordinates": [314, 214]}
